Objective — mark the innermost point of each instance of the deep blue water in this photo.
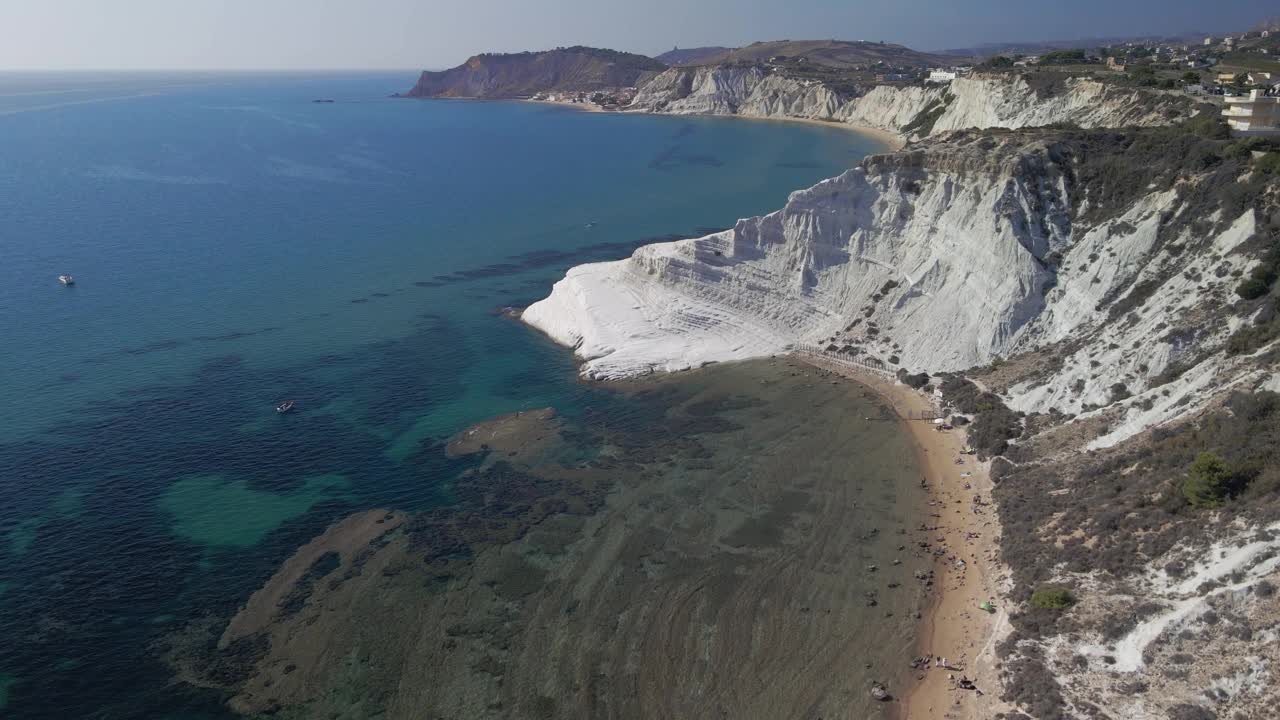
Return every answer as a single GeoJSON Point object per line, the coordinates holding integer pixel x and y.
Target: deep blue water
{"type": "Point", "coordinates": [236, 244]}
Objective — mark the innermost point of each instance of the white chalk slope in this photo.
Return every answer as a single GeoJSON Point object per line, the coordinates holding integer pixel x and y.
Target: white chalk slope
{"type": "Point", "coordinates": [978, 101]}
{"type": "Point", "coordinates": [959, 240]}
{"type": "Point", "coordinates": [940, 258]}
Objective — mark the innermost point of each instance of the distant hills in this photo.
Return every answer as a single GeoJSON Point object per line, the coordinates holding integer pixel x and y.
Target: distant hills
{"type": "Point", "coordinates": [586, 69]}
{"type": "Point", "coordinates": [691, 56]}
{"type": "Point", "coordinates": [524, 74]}
{"type": "Point", "coordinates": [1043, 46]}
{"type": "Point", "coordinates": [830, 53]}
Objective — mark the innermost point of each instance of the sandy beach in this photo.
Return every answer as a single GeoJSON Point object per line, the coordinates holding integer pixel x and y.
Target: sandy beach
{"type": "Point", "coordinates": [585, 107]}
{"type": "Point", "coordinates": [965, 528]}
{"type": "Point", "coordinates": [891, 140]}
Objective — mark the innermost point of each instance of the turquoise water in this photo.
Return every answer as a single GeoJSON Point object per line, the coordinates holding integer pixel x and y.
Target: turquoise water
{"type": "Point", "coordinates": [236, 244]}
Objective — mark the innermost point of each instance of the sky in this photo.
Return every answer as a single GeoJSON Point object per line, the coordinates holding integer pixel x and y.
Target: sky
{"type": "Point", "coordinates": [410, 34]}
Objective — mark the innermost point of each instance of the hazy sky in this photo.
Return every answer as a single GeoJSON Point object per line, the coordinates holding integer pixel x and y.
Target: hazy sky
{"type": "Point", "coordinates": [268, 34]}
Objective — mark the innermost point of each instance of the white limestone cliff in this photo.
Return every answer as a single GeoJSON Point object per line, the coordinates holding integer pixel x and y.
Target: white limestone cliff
{"type": "Point", "coordinates": [805, 272]}
{"type": "Point", "coordinates": [979, 101]}
{"type": "Point", "coordinates": [939, 258]}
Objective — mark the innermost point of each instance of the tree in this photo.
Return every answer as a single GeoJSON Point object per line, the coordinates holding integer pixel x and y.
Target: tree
{"type": "Point", "coordinates": [1191, 76]}
{"type": "Point", "coordinates": [1209, 482]}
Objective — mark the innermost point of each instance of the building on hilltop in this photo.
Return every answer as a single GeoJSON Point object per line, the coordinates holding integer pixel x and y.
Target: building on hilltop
{"type": "Point", "coordinates": [941, 76]}
{"type": "Point", "coordinates": [1254, 114]}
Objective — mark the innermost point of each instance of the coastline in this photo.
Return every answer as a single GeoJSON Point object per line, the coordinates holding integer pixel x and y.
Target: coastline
{"type": "Point", "coordinates": [892, 141]}
{"type": "Point", "coordinates": [584, 107]}
{"type": "Point", "coordinates": [953, 626]}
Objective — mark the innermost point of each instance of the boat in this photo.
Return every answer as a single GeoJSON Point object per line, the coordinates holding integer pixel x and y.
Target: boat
{"type": "Point", "coordinates": [66, 280]}
{"type": "Point", "coordinates": [285, 406]}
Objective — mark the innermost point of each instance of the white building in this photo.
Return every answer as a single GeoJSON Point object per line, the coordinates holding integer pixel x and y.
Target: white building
{"type": "Point", "coordinates": [1208, 41]}
{"type": "Point", "coordinates": [941, 76]}
{"type": "Point", "coordinates": [1253, 114]}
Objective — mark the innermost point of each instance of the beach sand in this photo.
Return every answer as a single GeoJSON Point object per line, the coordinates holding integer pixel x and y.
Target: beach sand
{"type": "Point", "coordinates": [893, 142]}
{"type": "Point", "coordinates": [954, 628]}
{"type": "Point", "coordinates": [585, 107]}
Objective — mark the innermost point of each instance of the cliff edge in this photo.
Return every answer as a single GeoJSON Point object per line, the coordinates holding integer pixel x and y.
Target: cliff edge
{"type": "Point", "coordinates": [516, 75]}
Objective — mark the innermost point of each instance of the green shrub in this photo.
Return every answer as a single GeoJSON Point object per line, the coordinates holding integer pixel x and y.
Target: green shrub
{"type": "Point", "coordinates": [1268, 164]}
{"type": "Point", "coordinates": [1052, 598]}
{"type": "Point", "coordinates": [1062, 57]}
{"type": "Point", "coordinates": [1120, 391]}
{"type": "Point", "coordinates": [1210, 126]}
{"type": "Point", "coordinates": [1248, 339]}
{"type": "Point", "coordinates": [1265, 272]}
{"type": "Point", "coordinates": [1252, 288]}
{"type": "Point", "coordinates": [1209, 482]}
{"type": "Point", "coordinates": [916, 381]}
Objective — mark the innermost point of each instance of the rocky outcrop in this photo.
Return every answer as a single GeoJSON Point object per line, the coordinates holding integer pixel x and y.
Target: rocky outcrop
{"type": "Point", "coordinates": [525, 74]}
{"type": "Point", "coordinates": [980, 101]}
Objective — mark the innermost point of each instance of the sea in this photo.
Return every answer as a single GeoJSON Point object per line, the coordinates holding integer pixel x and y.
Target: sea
{"type": "Point", "coordinates": [239, 240]}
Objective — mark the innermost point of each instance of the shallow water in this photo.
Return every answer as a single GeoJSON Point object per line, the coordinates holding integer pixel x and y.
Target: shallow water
{"type": "Point", "coordinates": [731, 542]}
{"type": "Point", "coordinates": [236, 244]}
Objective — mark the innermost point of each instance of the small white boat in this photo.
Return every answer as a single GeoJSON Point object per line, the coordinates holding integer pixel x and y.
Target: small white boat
{"type": "Point", "coordinates": [285, 406]}
{"type": "Point", "coordinates": [66, 280]}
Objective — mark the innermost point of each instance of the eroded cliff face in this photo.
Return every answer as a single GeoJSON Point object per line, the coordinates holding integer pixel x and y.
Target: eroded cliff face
{"type": "Point", "coordinates": [875, 253]}
{"type": "Point", "coordinates": [969, 248]}
{"type": "Point", "coordinates": [979, 101]}
{"type": "Point", "coordinates": [735, 90]}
